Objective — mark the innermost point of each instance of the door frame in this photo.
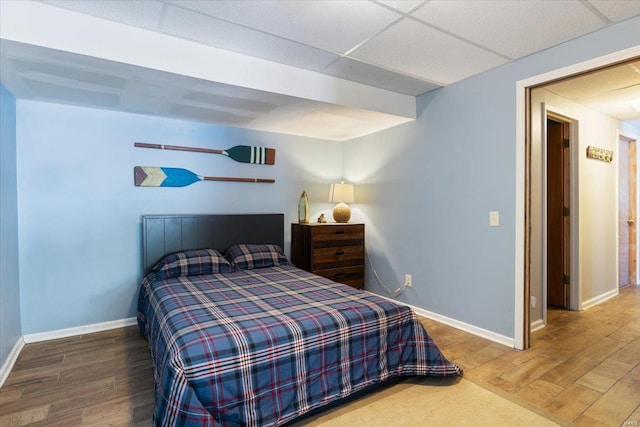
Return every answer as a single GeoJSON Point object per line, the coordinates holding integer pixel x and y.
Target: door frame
{"type": "Point", "coordinates": [556, 114]}
{"type": "Point", "coordinates": [629, 141]}
{"type": "Point", "coordinates": [523, 140]}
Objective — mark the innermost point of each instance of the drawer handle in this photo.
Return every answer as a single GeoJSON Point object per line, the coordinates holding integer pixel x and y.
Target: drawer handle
{"type": "Point", "coordinates": [338, 275]}
{"type": "Point", "coordinates": [339, 253]}
{"type": "Point", "coordinates": [339, 232]}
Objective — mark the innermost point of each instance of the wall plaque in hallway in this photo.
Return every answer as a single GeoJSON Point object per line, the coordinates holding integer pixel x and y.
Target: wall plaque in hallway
{"type": "Point", "coordinates": [599, 154]}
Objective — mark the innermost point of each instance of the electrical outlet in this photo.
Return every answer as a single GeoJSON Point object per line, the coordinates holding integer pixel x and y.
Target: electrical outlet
{"type": "Point", "coordinates": [533, 302]}
{"type": "Point", "coordinates": [408, 281]}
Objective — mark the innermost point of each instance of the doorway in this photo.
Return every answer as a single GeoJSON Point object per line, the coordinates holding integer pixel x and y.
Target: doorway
{"type": "Point", "coordinates": [627, 205]}
{"type": "Point", "coordinates": [527, 189]}
{"type": "Point", "coordinates": [558, 190]}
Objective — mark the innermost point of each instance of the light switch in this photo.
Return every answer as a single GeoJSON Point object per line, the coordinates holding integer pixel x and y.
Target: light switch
{"type": "Point", "coordinates": [494, 219]}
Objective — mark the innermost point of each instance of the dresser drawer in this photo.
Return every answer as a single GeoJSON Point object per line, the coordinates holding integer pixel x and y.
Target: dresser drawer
{"type": "Point", "coordinates": [352, 276]}
{"type": "Point", "coordinates": [337, 256]}
{"type": "Point", "coordinates": [332, 235]}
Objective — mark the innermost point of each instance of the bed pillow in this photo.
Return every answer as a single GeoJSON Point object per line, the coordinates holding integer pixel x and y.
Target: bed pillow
{"type": "Point", "coordinates": [249, 256]}
{"type": "Point", "coordinates": [192, 263]}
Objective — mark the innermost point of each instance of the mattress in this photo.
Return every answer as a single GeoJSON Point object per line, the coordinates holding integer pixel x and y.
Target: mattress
{"type": "Point", "coordinates": [264, 346]}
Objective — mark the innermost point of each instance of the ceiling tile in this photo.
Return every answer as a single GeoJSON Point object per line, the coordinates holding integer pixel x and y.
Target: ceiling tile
{"type": "Point", "coordinates": [327, 121]}
{"type": "Point", "coordinates": [361, 72]}
{"type": "Point", "coordinates": [224, 35]}
{"type": "Point", "coordinates": [616, 104]}
{"type": "Point", "coordinates": [617, 10]}
{"type": "Point", "coordinates": [498, 25]}
{"type": "Point", "coordinates": [51, 72]}
{"type": "Point", "coordinates": [402, 5]}
{"type": "Point", "coordinates": [207, 99]}
{"type": "Point", "coordinates": [149, 96]}
{"type": "Point", "coordinates": [600, 82]}
{"type": "Point", "coordinates": [413, 48]}
{"type": "Point", "coordinates": [210, 115]}
{"type": "Point", "coordinates": [72, 95]}
{"type": "Point", "coordinates": [328, 25]}
{"type": "Point", "coordinates": [609, 90]}
{"type": "Point", "coordinates": [139, 13]}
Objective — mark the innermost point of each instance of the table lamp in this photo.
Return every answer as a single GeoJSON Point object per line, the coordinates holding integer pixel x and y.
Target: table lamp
{"type": "Point", "coordinates": [341, 194]}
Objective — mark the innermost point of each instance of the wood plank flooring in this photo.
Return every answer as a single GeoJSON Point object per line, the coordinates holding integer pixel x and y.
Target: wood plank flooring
{"type": "Point", "coordinates": [96, 379]}
{"type": "Point", "coordinates": [584, 367]}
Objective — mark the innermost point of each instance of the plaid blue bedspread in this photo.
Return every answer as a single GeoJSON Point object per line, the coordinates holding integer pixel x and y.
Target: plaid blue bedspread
{"type": "Point", "coordinates": [262, 347]}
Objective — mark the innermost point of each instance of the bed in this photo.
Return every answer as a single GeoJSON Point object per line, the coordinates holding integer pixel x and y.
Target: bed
{"type": "Point", "coordinates": [240, 337]}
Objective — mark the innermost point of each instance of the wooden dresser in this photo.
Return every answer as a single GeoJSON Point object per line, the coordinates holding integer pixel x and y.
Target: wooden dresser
{"type": "Point", "coordinates": [335, 251]}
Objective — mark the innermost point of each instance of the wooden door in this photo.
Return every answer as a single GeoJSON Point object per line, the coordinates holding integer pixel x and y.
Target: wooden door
{"type": "Point", "coordinates": [558, 198]}
{"type": "Point", "coordinates": [631, 221]}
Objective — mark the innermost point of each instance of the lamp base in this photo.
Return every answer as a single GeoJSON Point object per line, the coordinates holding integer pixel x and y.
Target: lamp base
{"type": "Point", "coordinates": [341, 213]}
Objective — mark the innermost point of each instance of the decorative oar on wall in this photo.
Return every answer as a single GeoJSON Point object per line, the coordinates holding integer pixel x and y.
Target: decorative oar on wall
{"type": "Point", "coordinates": [152, 176]}
{"type": "Point", "coordinates": [239, 153]}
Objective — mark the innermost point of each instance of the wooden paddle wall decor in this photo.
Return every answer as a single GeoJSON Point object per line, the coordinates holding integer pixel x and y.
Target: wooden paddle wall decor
{"type": "Point", "coordinates": [152, 176]}
{"type": "Point", "coordinates": [239, 153]}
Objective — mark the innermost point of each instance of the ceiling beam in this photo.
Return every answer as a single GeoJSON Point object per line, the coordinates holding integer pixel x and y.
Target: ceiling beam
{"type": "Point", "coordinates": [43, 25]}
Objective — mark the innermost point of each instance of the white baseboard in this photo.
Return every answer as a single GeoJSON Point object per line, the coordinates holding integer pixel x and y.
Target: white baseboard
{"type": "Point", "coordinates": [79, 330]}
{"type": "Point", "coordinates": [599, 299]}
{"type": "Point", "coordinates": [7, 366]}
{"type": "Point", "coordinates": [537, 325]}
{"type": "Point", "coordinates": [483, 333]}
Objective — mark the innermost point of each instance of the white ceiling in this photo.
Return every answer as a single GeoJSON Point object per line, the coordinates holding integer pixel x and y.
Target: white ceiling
{"type": "Point", "coordinates": [328, 69]}
{"type": "Point", "coordinates": [609, 91]}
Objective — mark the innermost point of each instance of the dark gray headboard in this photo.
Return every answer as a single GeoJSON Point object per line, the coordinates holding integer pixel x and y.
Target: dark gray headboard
{"type": "Point", "coordinates": [165, 234]}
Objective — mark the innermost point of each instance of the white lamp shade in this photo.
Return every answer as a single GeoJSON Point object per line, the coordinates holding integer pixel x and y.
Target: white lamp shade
{"type": "Point", "coordinates": [341, 193]}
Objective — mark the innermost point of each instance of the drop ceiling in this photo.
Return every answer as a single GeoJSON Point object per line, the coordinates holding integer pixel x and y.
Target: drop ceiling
{"type": "Point", "coordinates": [327, 69]}
{"type": "Point", "coordinates": [609, 91]}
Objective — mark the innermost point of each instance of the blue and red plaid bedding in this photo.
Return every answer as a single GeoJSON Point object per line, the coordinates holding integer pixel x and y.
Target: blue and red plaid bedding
{"type": "Point", "coordinates": [262, 347]}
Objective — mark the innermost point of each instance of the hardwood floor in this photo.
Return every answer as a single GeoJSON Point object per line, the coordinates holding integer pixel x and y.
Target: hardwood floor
{"type": "Point", "coordinates": [97, 379]}
{"type": "Point", "coordinates": [584, 367]}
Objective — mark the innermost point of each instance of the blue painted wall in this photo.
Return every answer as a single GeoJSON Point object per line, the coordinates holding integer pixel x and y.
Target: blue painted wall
{"type": "Point", "coordinates": [427, 188]}
{"type": "Point", "coordinates": [80, 211]}
{"type": "Point", "coordinates": [10, 327]}
{"type": "Point", "coordinates": [424, 189]}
